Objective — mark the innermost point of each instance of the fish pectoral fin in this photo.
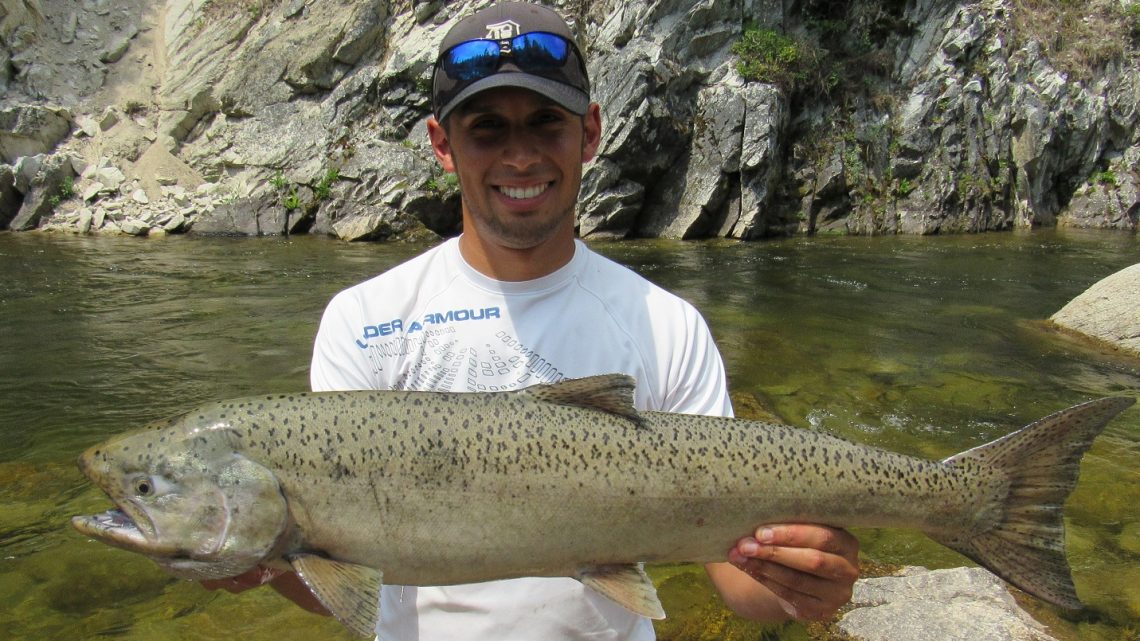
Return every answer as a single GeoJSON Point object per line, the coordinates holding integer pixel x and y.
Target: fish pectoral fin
{"type": "Point", "coordinates": [628, 585]}
{"type": "Point", "coordinates": [350, 592]}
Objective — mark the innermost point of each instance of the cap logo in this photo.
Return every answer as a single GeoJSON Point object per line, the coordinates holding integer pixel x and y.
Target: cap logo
{"type": "Point", "coordinates": [504, 30]}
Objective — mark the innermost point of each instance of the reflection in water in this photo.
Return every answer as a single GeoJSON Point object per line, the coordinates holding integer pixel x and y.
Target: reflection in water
{"type": "Point", "coordinates": [924, 345]}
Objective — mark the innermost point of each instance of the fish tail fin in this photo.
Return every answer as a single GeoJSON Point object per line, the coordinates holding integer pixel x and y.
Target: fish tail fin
{"type": "Point", "coordinates": [1041, 463]}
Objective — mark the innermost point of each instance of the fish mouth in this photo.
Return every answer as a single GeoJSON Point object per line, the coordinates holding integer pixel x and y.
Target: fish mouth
{"type": "Point", "coordinates": [118, 528]}
{"type": "Point", "coordinates": [114, 527]}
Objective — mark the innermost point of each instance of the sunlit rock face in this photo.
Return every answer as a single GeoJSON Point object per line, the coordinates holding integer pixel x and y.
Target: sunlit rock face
{"type": "Point", "coordinates": [891, 117]}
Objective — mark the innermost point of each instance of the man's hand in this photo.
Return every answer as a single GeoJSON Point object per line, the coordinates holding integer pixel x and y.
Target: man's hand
{"type": "Point", "coordinates": [800, 571]}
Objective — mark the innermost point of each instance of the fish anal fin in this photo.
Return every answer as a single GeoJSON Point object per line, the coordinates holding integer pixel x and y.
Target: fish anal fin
{"type": "Point", "coordinates": [627, 585]}
{"type": "Point", "coordinates": [350, 592]}
{"type": "Point", "coordinates": [611, 393]}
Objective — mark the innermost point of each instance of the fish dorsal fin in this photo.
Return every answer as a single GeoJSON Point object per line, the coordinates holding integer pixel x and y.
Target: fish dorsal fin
{"type": "Point", "coordinates": [627, 585]}
{"type": "Point", "coordinates": [351, 592]}
{"type": "Point", "coordinates": [611, 393]}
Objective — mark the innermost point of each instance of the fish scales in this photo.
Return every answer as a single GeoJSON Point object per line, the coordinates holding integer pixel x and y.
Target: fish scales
{"type": "Point", "coordinates": [558, 480]}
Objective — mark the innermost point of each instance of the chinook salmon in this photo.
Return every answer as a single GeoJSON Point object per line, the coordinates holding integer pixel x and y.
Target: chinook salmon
{"type": "Point", "coordinates": [566, 479]}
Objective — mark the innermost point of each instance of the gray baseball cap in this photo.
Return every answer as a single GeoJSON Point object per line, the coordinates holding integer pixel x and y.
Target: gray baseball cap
{"type": "Point", "coordinates": [510, 44]}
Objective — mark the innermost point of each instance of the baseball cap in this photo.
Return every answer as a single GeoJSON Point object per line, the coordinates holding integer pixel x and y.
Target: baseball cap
{"type": "Point", "coordinates": [510, 44]}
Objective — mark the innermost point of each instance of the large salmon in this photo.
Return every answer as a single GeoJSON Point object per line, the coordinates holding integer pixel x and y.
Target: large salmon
{"type": "Point", "coordinates": [566, 479]}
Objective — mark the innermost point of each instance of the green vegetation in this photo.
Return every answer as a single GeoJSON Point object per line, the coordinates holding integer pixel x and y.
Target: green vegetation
{"type": "Point", "coordinates": [904, 187]}
{"type": "Point", "coordinates": [323, 189]}
{"type": "Point", "coordinates": [290, 194]}
{"type": "Point", "coordinates": [66, 192]}
{"type": "Point", "coordinates": [292, 200]}
{"type": "Point", "coordinates": [279, 181]}
{"type": "Point", "coordinates": [829, 50]}
{"type": "Point", "coordinates": [1106, 177]}
{"type": "Point", "coordinates": [767, 56]}
{"type": "Point", "coordinates": [443, 185]}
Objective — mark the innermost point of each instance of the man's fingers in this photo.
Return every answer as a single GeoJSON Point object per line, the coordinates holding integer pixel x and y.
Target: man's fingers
{"type": "Point", "coordinates": [817, 537]}
{"type": "Point", "coordinates": [825, 565]}
{"type": "Point", "coordinates": [811, 569]}
{"type": "Point", "coordinates": [801, 595]}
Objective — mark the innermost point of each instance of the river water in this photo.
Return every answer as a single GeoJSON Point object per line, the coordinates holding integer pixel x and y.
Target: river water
{"type": "Point", "coordinates": [923, 345]}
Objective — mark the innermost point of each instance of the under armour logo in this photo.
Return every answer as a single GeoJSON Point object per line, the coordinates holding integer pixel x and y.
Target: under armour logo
{"type": "Point", "coordinates": [504, 30]}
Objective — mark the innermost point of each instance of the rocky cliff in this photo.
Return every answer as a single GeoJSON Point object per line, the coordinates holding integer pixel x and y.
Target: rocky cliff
{"type": "Point", "coordinates": [261, 116]}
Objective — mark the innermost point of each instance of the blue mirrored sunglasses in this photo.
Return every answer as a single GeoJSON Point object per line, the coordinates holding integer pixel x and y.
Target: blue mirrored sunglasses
{"type": "Point", "coordinates": [537, 52]}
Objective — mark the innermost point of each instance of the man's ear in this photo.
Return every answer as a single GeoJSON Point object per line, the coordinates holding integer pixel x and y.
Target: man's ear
{"type": "Point", "coordinates": [440, 144]}
{"type": "Point", "coordinates": [592, 134]}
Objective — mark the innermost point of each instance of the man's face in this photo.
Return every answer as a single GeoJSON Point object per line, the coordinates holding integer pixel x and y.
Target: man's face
{"type": "Point", "coordinates": [519, 159]}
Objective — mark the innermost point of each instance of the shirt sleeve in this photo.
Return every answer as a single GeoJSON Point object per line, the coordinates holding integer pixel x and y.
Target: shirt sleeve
{"type": "Point", "coordinates": [339, 362]}
{"type": "Point", "coordinates": [698, 384]}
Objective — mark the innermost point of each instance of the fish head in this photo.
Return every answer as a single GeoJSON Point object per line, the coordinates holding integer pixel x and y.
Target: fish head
{"type": "Point", "coordinates": [186, 498]}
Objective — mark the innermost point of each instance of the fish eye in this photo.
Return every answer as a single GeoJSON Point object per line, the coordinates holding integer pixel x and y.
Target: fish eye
{"type": "Point", "coordinates": [143, 486]}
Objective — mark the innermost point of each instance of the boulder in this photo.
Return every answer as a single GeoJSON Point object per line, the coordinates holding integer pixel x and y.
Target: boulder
{"type": "Point", "coordinates": [261, 215]}
{"type": "Point", "coordinates": [44, 192]}
{"type": "Point", "coordinates": [960, 604]}
{"type": "Point", "coordinates": [1109, 311]}
{"type": "Point", "coordinates": [28, 130]}
{"type": "Point", "coordinates": [10, 199]}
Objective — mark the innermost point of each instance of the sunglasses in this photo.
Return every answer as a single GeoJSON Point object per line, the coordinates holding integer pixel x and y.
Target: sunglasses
{"type": "Point", "coordinates": [538, 52]}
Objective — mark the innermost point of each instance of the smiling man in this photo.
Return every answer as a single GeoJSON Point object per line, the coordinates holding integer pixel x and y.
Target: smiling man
{"type": "Point", "coordinates": [517, 300]}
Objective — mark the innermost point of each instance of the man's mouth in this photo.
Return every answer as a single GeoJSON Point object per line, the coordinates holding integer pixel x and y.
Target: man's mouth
{"type": "Point", "coordinates": [524, 193]}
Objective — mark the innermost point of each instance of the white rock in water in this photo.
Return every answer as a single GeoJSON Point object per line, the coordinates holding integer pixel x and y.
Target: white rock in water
{"type": "Point", "coordinates": [1109, 311]}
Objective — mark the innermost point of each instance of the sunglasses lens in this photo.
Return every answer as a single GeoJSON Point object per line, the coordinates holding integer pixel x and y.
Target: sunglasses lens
{"type": "Point", "coordinates": [540, 51]}
{"type": "Point", "coordinates": [547, 55]}
{"type": "Point", "coordinates": [471, 60]}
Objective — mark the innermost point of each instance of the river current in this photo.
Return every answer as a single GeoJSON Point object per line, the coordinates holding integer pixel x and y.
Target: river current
{"type": "Point", "coordinates": [923, 345]}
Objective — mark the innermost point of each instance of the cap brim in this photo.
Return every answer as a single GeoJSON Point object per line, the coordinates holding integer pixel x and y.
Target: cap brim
{"type": "Point", "coordinates": [573, 100]}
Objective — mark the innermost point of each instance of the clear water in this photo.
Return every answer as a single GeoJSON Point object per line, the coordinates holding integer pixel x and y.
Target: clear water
{"type": "Point", "coordinates": [923, 345]}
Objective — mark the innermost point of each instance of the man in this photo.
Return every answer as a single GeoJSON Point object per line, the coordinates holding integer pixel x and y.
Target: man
{"type": "Point", "coordinates": [516, 300]}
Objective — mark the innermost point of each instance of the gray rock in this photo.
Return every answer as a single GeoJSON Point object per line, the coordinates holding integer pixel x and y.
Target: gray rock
{"type": "Point", "coordinates": [10, 198]}
{"type": "Point", "coordinates": [118, 47]}
{"type": "Point", "coordinates": [609, 203]}
{"type": "Point", "coordinates": [134, 227]}
{"type": "Point", "coordinates": [961, 604]}
{"type": "Point", "coordinates": [1111, 200]}
{"type": "Point", "coordinates": [254, 216]}
{"type": "Point", "coordinates": [86, 220]}
{"type": "Point", "coordinates": [28, 130]}
{"type": "Point", "coordinates": [44, 193]}
{"type": "Point", "coordinates": [1109, 311]}
{"type": "Point", "coordinates": [112, 178]}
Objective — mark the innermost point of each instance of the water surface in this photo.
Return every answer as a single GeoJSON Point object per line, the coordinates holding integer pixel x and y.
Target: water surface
{"type": "Point", "coordinates": [923, 345]}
